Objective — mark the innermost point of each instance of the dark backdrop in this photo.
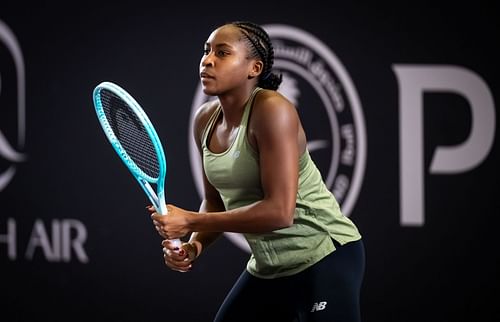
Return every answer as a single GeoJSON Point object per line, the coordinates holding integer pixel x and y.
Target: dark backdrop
{"type": "Point", "coordinates": [71, 182]}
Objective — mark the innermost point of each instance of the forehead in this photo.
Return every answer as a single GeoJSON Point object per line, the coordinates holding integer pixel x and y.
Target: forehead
{"type": "Point", "coordinates": [226, 34]}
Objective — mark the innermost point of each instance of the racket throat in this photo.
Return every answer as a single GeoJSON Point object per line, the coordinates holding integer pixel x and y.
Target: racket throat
{"type": "Point", "coordinates": [157, 202]}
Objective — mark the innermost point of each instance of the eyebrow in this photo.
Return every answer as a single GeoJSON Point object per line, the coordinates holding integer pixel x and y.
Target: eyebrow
{"type": "Point", "coordinates": [223, 44]}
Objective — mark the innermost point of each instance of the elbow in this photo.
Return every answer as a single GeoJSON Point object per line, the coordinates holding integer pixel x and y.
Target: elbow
{"type": "Point", "coordinates": [279, 213]}
{"type": "Point", "coordinates": [285, 218]}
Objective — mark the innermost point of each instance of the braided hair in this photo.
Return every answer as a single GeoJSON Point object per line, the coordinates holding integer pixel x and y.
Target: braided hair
{"type": "Point", "coordinates": [260, 46]}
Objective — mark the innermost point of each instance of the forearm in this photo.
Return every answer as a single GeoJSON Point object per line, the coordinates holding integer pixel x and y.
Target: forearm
{"type": "Point", "coordinates": [204, 239]}
{"type": "Point", "coordinates": [259, 217]}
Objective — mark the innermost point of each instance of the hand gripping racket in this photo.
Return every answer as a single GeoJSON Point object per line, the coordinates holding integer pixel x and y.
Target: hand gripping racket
{"type": "Point", "coordinates": [134, 139]}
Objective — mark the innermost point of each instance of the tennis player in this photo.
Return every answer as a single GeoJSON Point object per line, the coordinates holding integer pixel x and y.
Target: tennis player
{"type": "Point", "coordinates": [307, 259]}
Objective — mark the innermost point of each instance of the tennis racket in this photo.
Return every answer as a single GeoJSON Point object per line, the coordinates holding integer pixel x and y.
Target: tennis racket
{"type": "Point", "coordinates": [134, 139]}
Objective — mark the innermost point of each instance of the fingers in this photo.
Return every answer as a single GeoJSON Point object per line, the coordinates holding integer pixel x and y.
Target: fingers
{"type": "Point", "coordinates": [169, 245]}
{"type": "Point", "coordinates": [169, 227]}
{"type": "Point", "coordinates": [154, 214]}
{"type": "Point", "coordinates": [157, 221]}
{"type": "Point", "coordinates": [159, 228]}
{"type": "Point", "coordinates": [176, 260]}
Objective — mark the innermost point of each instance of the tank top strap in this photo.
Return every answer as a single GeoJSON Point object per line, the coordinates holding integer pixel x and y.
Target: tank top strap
{"type": "Point", "coordinates": [248, 108]}
{"type": "Point", "coordinates": [243, 124]}
{"type": "Point", "coordinates": [210, 126]}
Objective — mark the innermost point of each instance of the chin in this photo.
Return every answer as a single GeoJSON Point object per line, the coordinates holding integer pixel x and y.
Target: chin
{"type": "Point", "coordinates": [209, 91]}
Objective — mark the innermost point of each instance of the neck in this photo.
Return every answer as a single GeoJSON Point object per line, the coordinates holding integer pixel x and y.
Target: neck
{"type": "Point", "coordinates": [233, 106]}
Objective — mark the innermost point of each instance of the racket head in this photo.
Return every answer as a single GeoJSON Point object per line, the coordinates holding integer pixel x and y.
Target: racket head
{"type": "Point", "coordinates": [133, 137]}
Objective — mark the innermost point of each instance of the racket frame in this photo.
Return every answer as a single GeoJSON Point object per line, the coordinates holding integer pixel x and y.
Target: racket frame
{"type": "Point", "coordinates": [157, 198]}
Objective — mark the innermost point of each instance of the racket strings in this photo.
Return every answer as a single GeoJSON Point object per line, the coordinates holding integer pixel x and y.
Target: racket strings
{"type": "Point", "coordinates": [131, 133]}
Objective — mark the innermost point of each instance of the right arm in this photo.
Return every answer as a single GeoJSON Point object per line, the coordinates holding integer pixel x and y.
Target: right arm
{"type": "Point", "coordinates": [199, 241]}
{"type": "Point", "coordinates": [212, 202]}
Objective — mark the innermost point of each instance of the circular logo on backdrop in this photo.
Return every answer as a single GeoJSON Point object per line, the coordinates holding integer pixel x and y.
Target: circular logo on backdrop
{"type": "Point", "coordinates": [317, 83]}
{"type": "Point", "coordinates": [8, 154]}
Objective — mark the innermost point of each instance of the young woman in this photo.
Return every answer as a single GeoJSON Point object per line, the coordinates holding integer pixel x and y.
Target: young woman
{"type": "Point", "coordinates": [307, 260]}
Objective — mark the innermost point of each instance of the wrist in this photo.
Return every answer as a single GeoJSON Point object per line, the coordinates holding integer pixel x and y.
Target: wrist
{"type": "Point", "coordinates": [192, 221]}
{"type": "Point", "coordinates": [197, 248]}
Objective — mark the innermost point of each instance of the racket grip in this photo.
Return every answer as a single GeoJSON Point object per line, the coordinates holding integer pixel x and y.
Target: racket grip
{"type": "Point", "coordinates": [176, 242]}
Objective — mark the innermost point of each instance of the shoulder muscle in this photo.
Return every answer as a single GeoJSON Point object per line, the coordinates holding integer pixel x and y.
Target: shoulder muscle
{"type": "Point", "coordinates": [201, 118]}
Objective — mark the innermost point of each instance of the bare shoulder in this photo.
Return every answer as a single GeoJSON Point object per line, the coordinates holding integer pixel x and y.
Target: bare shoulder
{"type": "Point", "coordinates": [204, 112]}
{"type": "Point", "coordinates": [274, 116]}
{"type": "Point", "coordinates": [201, 117]}
{"type": "Point", "coordinates": [272, 106]}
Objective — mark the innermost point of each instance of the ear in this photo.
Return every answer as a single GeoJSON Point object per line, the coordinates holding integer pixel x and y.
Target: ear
{"type": "Point", "coordinates": [255, 69]}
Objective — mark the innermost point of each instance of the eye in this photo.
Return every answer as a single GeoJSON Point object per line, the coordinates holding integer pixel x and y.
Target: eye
{"type": "Point", "coordinates": [206, 51]}
{"type": "Point", "coordinates": [222, 53]}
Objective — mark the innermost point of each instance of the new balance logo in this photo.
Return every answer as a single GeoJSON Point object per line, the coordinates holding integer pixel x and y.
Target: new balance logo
{"type": "Point", "coordinates": [319, 306]}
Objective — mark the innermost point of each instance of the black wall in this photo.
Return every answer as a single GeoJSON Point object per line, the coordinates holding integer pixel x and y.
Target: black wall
{"type": "Point", "coordinates": [443, 269]}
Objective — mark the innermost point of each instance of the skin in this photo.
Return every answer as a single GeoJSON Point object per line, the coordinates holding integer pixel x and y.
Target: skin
{"type": "Point", "coordinates": [274, 130]}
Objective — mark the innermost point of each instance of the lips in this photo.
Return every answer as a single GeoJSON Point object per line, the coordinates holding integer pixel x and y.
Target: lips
{"type": "Point", "coordinates": [205, 75]}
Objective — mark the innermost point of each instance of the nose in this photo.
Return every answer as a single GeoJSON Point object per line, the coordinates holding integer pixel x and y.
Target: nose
{"type": "Point", "coordinates": [207, 60]}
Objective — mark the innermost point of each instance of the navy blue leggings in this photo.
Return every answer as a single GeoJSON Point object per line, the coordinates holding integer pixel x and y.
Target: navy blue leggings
{"type": "Point", "coordinates": [327, 291]}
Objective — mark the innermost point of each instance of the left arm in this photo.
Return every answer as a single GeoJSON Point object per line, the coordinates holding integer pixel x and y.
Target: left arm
{"type": "Point", "coordinates": [274, 133]}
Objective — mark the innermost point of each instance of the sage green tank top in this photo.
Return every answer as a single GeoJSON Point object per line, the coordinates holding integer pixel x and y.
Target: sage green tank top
{"type": "Point", "coordinates": [235, 174]}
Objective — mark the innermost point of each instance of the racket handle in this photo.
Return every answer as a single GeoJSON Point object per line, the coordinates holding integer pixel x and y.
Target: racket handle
{"type": "Point", "coordinates": [163, 210]}
{"type": "Point", "coordinates": [176, 242]}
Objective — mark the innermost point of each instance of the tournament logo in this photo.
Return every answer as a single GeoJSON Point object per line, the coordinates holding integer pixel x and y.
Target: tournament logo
{"type": "Point", "coordinates": [317, 83]}
{"type": "Point", "coordinates": [10, 51]}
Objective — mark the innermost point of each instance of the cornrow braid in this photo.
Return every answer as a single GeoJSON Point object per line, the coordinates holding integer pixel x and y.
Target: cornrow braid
{"type": "Point", "coordinates": [260, 46]}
